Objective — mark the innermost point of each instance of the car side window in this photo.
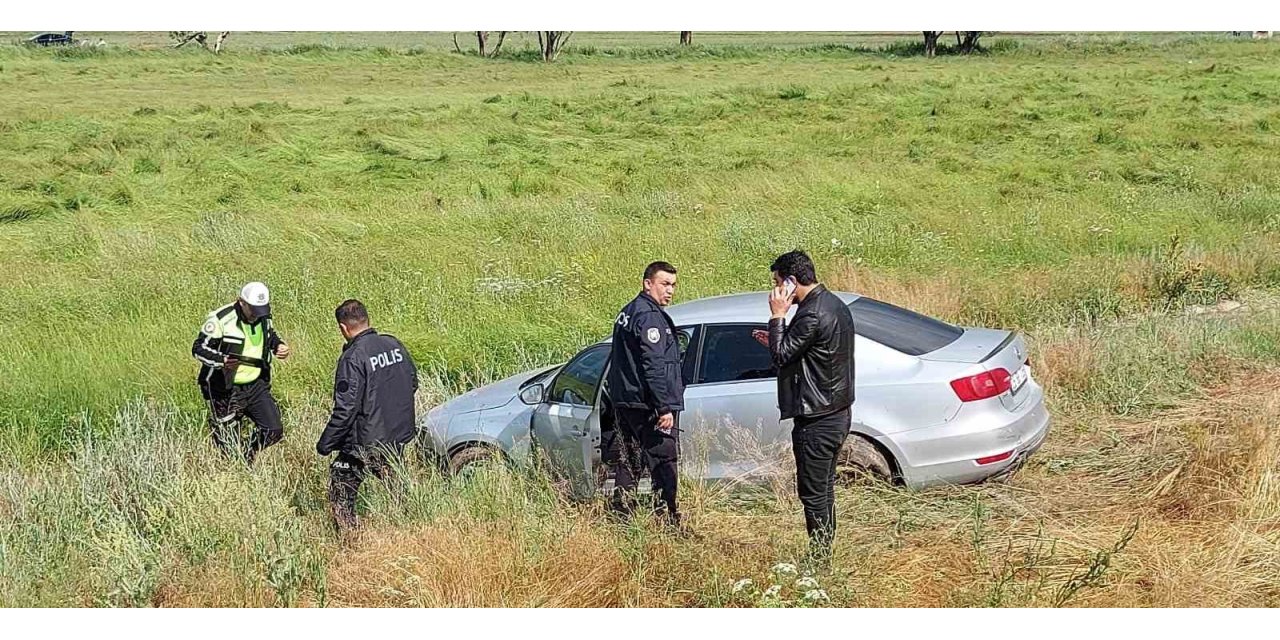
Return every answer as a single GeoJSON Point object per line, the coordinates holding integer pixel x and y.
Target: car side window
{"type": "Point", "coordinates": [731, 354]}
{"type": "Point", "coordinates": [688, 337]}
{"type": "Point", "coordinates": [578, 382]}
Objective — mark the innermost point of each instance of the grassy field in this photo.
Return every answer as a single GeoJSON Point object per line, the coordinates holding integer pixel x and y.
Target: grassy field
{"type": "Point", "coordinates": [440, 41]}
{"type": "Point", "coordinates": [1101, 193]}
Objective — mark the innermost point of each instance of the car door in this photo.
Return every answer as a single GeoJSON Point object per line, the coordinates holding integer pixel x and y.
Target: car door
{"type": "Point", "coordinates": [730, 427]}
{"type": "Point", "coordinates": [566, 425]}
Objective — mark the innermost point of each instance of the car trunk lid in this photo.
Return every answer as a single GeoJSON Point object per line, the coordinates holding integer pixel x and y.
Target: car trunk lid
{"type": "Point", "coordinates": [994, 350]}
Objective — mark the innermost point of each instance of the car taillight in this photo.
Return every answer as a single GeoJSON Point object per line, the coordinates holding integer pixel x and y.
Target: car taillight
{"type": "Point", "coordinates": [987, 384]}
{"type": "Point", "coordinates": [996, 458]}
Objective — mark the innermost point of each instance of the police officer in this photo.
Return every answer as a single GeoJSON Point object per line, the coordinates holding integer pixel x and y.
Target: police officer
{"type": "Point", "coordinates": [647, 392]}
{"type": "Point", "coordinates": [373, 413]}
{"type": "Point", "coordinates": [235, 347]}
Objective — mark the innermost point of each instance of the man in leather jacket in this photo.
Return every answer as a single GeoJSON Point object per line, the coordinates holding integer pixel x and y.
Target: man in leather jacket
{"type": "Point", "coordinates": [814, 357]}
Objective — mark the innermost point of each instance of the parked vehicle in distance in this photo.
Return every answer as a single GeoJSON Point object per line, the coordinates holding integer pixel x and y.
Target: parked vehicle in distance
{"type": "Point", "coordinates": [51, 39]}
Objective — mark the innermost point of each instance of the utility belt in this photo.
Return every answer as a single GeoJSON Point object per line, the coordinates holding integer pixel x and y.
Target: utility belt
{"type": "Point", "coordinates": [229, 373]}
{"type": "Point", "coordinates": [253, 362]}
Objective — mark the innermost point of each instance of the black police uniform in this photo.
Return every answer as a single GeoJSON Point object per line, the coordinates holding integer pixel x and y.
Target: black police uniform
{"type": "Point", "coordinates": [645, 382]}
{"type": "Point", "coordinates": [241, 391]}
{"type": "Point", "coordinates": [372, 419]}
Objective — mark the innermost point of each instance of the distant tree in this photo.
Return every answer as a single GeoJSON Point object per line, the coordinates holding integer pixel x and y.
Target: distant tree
{"type": "Point", "coordinates": [502, 36]}
{"type": "Point", "coordinates": [181, 38]}
{"type": "Point", "coordinates": [931, 43]}
{"type": "Point", "coordinates": [686, 38]}
{"type": "Point", "coordinates": [966, 42]}
{"type": "Point", "coordinates": [970, 42]}
{"type": "Point", "coordinates": [551, 43]}
{"type": "Point", "coordinates": [482, 43]}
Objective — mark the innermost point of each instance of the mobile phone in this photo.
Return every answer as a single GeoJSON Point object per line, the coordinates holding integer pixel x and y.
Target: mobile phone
{"type": "Point", "coordinates": [789, 285]}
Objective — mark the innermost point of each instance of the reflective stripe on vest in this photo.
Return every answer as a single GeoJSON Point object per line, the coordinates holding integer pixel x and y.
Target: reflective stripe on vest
{"type": "Point", "coordinates": [246, 341]}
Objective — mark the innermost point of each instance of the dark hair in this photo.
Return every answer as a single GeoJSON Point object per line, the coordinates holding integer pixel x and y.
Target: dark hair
{"type": "Point", "coordinates": [795, 263]}
{"type": "Point", "coordinates": [654, 267]}
{"type": "Point", "coordinates": [351, 313]}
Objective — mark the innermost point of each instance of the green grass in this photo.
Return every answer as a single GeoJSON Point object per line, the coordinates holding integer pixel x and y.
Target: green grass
{"type": "Point", "coordinates": [640, 42]}
{"type": "Point", "coordinates": [151, 515]}
{"type": "Point", "coordinates": [494, 214]}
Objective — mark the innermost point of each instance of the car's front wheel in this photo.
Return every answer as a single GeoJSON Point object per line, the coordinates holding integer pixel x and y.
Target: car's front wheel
{"type": "Point", "coordinates": [471, 458]}
{"type": "Point", "coordinates": [426, 455]}
{"type": "Point", "coordinates": [860, 460]}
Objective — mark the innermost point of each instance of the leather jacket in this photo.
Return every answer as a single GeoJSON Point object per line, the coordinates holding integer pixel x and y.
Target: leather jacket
{"type": "Point", "coordinates": [814, 356]}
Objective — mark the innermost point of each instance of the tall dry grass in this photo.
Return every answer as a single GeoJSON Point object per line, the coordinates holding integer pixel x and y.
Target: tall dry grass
{"type": "Point", "coordinates": [1176, 507]}
{"type": "Point", "coordinates": [1157, 485]}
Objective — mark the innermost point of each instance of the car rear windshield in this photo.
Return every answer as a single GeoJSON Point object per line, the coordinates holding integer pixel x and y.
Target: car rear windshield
{"type": "Point", "coordinates": [897, 328]}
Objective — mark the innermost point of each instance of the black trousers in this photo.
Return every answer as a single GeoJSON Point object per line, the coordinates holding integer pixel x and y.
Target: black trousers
{"type": "Point", "coordinates": [638, 440]}
{"type": "Point", "coordinates": [816, 443]}
{"type": "Point", "coordinates": [348, 471]}
{"type": "Point", "coordinates": [229, 407]}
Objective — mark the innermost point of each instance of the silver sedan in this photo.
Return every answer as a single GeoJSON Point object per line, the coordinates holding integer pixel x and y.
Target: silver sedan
{"type": "Point", "coordinates": [935, 403]}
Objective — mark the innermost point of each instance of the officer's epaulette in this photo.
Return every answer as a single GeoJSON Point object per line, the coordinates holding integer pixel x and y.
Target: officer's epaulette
{"type": "Point", "coordinates": [224, 311]}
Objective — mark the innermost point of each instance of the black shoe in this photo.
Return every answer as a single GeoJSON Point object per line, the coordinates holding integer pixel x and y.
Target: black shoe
{"type": "Point", "coordinates": [621, 507]}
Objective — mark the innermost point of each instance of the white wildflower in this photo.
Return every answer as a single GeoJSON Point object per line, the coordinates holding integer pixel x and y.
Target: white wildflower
{"type": "Point", "coordinates": [816, 595]}
{"type": "Point", "coordinates": [503, 285]}
{"type": "Point", "coordinates": [742, 584]}
{"type": "Point", "coordinates": [773, 591]}
{"type": "Point", "coordinates": [785, 569]}
{"type": "Point", "coordinates": [807, 583]}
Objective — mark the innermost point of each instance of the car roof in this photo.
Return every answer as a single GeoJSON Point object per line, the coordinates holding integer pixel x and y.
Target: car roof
{"type": "Point", "coordinates": [752, 307]}
{"type": "Point", "coordinates": [738, 307]}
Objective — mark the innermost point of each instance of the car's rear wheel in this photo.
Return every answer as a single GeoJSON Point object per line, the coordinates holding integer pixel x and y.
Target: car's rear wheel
{"type": "Point", "coordinates": [862, 461]}
{"type": "Point", "coordinates": [471, 458]}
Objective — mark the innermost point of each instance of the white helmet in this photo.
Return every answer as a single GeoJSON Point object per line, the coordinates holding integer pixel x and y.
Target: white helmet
{"type": "Point", "coordinates": [256, 295]}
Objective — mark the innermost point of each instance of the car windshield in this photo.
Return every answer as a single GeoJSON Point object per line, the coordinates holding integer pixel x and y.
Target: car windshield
{"type": "Point", "coordinates": [539, 377]}
{"type": "Point", "coordinates": [578, 381]}
{"type": "Point", "coordinates": [901, 329]}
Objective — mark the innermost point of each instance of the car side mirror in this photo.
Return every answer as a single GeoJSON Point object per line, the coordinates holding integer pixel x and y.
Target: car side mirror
{"type": "Point", "coordinates": [532, 394]}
